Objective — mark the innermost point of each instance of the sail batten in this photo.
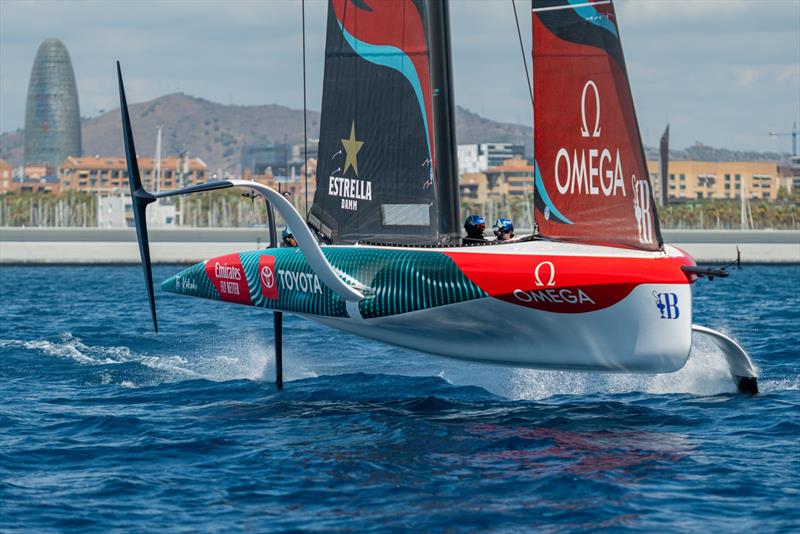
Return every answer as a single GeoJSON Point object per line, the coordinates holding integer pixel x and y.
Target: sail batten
{"type": "Point", "coordinates": [592, 182]}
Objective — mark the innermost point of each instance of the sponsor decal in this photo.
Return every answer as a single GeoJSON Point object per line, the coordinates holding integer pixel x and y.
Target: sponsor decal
{"type": "Point", "coordinates": [303, 282]}
{"type": "Point", "coordinates": [641, 209]}
{"type": "Point", "coordinates": [564, 295]}
{"type": "Point", "coordinates": [548, 265]}
{"type": "Point", "coordinates": [594, 171]}
{"type": "Point", "coordinates": [598, 170]}
{"type": "Point", "coordinates": [267, 277]}
{"type": "Point", "coordinates": [544, 275]}
{"type": "Point", "coordinates": [185, 283]}
{"type": "Point", "coordinates": [227, 275]}
{"type": "Point", "coordinates": [584, 129]}
{"type": "Point", "coordinates": [350, 190]}
{"type": "Point", "coordinates": [667, 304]}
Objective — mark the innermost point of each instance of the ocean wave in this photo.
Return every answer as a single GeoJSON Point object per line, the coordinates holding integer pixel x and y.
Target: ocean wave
{"type": "Point", "coordinates": [706, 373]}
{"type": "Point", "coordinates": [243, 360]}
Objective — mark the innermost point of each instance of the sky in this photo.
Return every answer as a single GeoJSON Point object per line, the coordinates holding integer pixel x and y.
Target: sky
{"type": "Point", "coordinates": [722, 72]}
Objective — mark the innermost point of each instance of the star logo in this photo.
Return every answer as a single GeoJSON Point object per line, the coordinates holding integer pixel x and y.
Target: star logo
{"type": "Point", "coordinates": [351, 147]}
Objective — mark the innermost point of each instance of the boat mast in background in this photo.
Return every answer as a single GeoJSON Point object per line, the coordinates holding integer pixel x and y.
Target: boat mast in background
{"type": "Point", "coordinates": [158, 159]}
{"type": "Point", "coordinates": [746, 215]}
{"type": "Point", "coordinates": [445, 148]}
{"type": "Point", "coordinates": [663, 189]}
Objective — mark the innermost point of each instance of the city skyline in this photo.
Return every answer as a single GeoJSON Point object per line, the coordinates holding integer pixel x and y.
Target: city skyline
{"type": "Point", "coordinates": [722, 77]}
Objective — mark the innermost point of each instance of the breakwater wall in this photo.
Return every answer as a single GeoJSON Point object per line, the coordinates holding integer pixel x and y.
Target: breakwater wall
{"type": "Point", "coordinates": [190, 245]}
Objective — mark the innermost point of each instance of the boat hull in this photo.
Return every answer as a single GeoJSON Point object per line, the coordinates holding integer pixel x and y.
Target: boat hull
{"type": "Point", "coordinates": [538, 304]}
{"type": "Point", "coordinates": [627, 337]}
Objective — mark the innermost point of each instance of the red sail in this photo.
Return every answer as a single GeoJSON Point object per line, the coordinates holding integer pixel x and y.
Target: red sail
{"type": "Point", "coordinates": [591, 174]}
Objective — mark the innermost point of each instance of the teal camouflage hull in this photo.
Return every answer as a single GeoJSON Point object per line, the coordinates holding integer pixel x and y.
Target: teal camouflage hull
{"type": "Point", "coordinates": [401, 281]}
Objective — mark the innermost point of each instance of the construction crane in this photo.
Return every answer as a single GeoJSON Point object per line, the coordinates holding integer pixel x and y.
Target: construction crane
{"type": "Point", "coordinates": [793, 133]}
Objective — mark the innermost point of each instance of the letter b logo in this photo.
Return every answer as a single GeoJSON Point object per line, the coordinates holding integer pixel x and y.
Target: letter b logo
{"type": "Point", "coordinates": [667, 304]}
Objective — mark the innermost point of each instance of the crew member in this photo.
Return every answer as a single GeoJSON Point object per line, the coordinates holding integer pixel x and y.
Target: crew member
{"type": "Point", "coordinates": [474, 226]}
{"type": "Point", "coordinates": [503, 229]}
{"type": "Point", "coordinates": [288, 238]}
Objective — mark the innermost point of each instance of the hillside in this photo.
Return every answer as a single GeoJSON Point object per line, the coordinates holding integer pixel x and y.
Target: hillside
{"type": "Point", "coordinates": [700, 152]}
{"type": "Point", "coordinates": [215, 132]}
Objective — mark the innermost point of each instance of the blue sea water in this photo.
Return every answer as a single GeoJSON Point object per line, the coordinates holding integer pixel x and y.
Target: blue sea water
{"type": "Point", "coordinates": [106, 426]}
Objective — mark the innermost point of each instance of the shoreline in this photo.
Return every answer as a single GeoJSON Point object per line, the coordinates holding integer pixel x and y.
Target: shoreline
{"type": "Point", "coordinates": [117, 246]}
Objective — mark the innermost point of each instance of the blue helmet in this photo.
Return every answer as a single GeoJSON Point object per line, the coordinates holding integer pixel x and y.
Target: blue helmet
{"type": "Point", "coordinates": [475, 224]}
{"type": "Point", "coordinates": [503, 226]}
{"type": "Point", "coordinates": [287, 232]}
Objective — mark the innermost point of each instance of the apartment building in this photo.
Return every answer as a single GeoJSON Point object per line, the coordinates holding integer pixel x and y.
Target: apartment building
{"type": "Point", "coordinates": [102, 174]}
{"type": "Point", "coordinates": [32, 179]}
{"type": "Point", "coordinates": [480, 157]}
{"type": "Point", "coordinates": [690, 180]}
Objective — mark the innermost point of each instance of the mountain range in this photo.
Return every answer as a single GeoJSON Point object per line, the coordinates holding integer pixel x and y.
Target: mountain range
{"type": "Point", "coordinates": [216, 132]}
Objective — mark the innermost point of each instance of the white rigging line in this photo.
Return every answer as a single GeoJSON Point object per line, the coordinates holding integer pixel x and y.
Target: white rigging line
{"type": "Point", "coordinates": [531, 217]}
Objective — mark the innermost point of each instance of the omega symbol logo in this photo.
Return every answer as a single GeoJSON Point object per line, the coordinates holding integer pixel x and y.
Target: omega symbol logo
{"type": "Point", "coordinates": [267, 277]}
{"type": "Point", "coordinates": [585, 126]}
{"type": "Point", "coordinates": [537, 274]}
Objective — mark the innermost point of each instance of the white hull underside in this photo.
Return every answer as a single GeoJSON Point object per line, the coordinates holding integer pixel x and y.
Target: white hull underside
{"type": "Point", "coordinates": [629, 336]}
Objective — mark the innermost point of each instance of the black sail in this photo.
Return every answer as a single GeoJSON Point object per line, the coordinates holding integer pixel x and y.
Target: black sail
{"type": "Point", "coordinates": [375, 169]}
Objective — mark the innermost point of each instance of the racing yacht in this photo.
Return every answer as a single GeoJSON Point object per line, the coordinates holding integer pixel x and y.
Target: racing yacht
{"type": "Point", "coordinates": [379, 253]}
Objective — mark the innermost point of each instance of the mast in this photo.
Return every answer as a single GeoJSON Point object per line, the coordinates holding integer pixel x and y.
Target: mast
{"type": "Point", "coordinates": [158, 159]}
{"type": "Point", "coordinates": [445, 154]}
{"type": "Point", "coordinates": [663, 197]}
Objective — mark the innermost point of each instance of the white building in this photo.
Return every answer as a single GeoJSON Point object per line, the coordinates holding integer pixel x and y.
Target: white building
{"type": "Point", "coordinates": [480, 157]}
{"type": "Point", "coordinates": [116, 211]}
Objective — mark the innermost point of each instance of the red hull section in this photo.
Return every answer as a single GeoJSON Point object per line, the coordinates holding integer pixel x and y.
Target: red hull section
{"type": "Point", "coordinates": [567, 284]}
{"type": "Point", "coordinates": [228, 277]}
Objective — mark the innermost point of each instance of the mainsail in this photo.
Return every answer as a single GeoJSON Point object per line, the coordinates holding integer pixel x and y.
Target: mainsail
{"type": "Point", "coordinates": [375, 169]}
{"type": "Point", "coordinates": [590, 170]}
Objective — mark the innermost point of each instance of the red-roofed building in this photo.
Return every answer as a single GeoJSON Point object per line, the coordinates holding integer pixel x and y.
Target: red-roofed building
{"type": "Point", "coordinates": [110, 174]}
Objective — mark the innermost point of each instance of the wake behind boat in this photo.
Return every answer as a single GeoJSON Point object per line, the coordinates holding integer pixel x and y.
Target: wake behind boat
{"type": "Point", "coordinates": [594, 289]}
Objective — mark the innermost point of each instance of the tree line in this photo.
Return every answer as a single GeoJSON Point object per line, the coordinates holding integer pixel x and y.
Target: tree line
{"type": "Point", "coordinates": [230, 209]}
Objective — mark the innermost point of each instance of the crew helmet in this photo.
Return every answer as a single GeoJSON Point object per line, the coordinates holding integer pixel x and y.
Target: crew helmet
{"type": "Point", "coordinates": [475, 225]}
{"type": "Point", "coordinates": [503, 226]}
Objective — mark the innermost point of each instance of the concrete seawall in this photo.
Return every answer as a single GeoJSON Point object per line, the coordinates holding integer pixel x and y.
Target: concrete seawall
{"type": "Point", "coordinates": [190, 245]}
